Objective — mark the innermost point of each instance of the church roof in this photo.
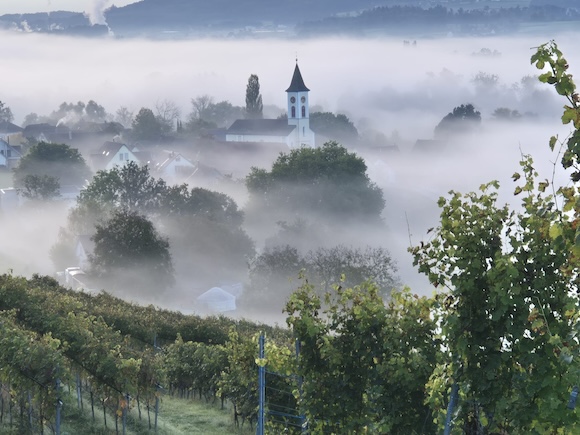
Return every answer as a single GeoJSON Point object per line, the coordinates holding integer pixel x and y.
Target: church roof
{"type": "Point", "coordinates": [265, 127]}
{"type": "Point", "coordinates": [297, 84]}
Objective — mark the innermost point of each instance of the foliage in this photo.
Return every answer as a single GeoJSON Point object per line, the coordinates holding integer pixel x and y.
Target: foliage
{"type": "Point", "coordinates": [328, 182]}
{"type": "Point", "coordinates": [274, 273]}
{"type": "Point", "coordinates": [254, 105]}
{"type": "Point", "coordinates": [167, 113]}
{"type": "Point", "coordinates": [146, 126]}
{"type": "Point", "coordinates": [5, 113]}
{"type": "Point", "coordinates": [57, 161]}
{"type": "Point", "coordinates": [221, 114]}
{"type": "Point", "coordinates": [463, 119]}
{"type": "Point", "coordinates": [505, 114]}
{"type": "Point", "coordinates": [204, 227]}
{"type": "Point", "coordinates": [509, 312]}
{"type": "Point", "coordinates": [334, 127]}
{"type": "Point", "coordinates": [40, 187]}
{"type": "Point", "coordinates": [128, 246]}
{"type": "Point", "coordinates": [363, 365]}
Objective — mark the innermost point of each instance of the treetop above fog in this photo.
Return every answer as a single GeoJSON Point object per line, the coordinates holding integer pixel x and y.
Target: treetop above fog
{"type": "Point", "coordinates": [329, 181]}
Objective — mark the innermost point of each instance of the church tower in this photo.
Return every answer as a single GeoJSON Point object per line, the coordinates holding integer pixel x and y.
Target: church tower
{"type": "Point", "coordinates": [299, 111]}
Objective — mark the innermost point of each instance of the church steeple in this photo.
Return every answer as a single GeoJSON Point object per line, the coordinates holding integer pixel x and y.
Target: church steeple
{"type": "Point", "coordinates": [299, 110]}
{"type": "Point", "coordinates": [297, 84]}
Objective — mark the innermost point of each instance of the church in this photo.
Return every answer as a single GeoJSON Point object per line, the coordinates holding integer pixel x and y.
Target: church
{"type": "Point", "coordinates": [294, 131]}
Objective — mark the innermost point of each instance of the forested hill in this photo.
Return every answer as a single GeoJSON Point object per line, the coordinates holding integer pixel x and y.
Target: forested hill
{"type": "Point", "coordinates": [179, 14]}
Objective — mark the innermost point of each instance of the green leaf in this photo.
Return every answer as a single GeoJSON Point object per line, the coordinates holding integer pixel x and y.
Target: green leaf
{"type": "Point", "coordinates": [553, 140]}
{"type": "Point", "coordinates": [570, 114]}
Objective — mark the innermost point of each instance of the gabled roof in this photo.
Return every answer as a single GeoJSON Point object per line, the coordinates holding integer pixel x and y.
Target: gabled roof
{"type": "Point", "coordinates": [262, 127]}
{"type": "Point", "coordinates": [297, 84]}
{"type": "Point", "coordinates": [86, 242]}
{"type": "Point", "coordinates": [8, 127]}
{"type": "Point", "coordinates": [110, 148]}
{"type": "Point", "coordinates": [172, 156]}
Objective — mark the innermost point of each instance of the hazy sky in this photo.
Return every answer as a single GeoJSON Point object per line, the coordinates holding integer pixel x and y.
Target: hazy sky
{"type": "Point", "coordinates": [25, 6]}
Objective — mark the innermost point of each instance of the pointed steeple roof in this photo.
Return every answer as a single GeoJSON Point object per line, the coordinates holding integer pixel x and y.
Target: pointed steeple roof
{"type": "Point", "coordinates": [297, 84]}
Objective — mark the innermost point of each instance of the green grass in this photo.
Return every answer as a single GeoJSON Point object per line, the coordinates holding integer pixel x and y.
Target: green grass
{"type": "Point", "coordinates": [176, 417]}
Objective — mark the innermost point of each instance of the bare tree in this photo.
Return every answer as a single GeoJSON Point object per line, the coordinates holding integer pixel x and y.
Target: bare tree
{"type": "Point", "coordinates": [167, 112]}
{"type": "Point", "coordinates": [200, 106]}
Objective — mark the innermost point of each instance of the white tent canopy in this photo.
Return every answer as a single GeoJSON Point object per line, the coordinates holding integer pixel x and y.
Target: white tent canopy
{"type": "Point", "coordinates": [218, 300]}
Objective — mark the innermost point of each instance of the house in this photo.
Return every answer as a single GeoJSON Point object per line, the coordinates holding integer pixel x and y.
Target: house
{"type": "Point", "coordinates": [83, 250]}
{"type": "Point", "coordinates": [11, 133]}
{"type": "Point", "coordinates": [48, 133]}
{"type": "Point", "coordinates": [112, 154]}
{"type": "Point", "coordinates": [217, 300]}
{"type": "Point", "coordinates": [10, 155]}
{"type": "Point", "coordinates": [175, 168]}
{"type": "Point", "coordinates": [294, 131]}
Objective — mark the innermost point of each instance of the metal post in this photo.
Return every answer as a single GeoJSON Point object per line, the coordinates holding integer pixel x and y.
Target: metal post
{"type": "Point", "coordinates": [125, 410]}
{"type": "Point", "coordinates": [156, 407]}
{"type": "Point", "coordinates": [58, 407]}
{"type": "Point", "coordinates": [303, 424]}
{"type": "Point", "coordinates": [261, 388]}
{"type": "Point", "coordinates": [450, 407]}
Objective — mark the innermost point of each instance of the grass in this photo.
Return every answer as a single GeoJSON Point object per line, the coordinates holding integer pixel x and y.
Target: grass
{"type": "Point", "coordinates": [176, 417]}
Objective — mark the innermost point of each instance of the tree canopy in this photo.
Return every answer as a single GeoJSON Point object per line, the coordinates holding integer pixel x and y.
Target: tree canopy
{"type": "Point", "coordinates": [58, 161]}
{"type": "Point", "coordinates": [328, 182]}
{"type": "Point", "coordinates": [463, 119]}
{"type": "Point", "coordinates": [129, 249]}
{"type": "Point", "coordinates": [254, 105]}
{"type": "Point", "coordinates": [334, 126]}
{"type": "Point", "coordinates": [146, 126]}
{"type": "Point", "coordinates": [5, 113]}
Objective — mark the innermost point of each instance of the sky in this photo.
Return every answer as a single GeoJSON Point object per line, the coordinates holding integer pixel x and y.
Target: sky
{"type": "Point", "coordinates": [27, 6]}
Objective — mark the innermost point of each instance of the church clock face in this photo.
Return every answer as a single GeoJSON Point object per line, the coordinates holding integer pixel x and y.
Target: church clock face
{"type": "Point", "coordinates": [303, 99]}
{"type": "Point", "coordinates": [292, 100]}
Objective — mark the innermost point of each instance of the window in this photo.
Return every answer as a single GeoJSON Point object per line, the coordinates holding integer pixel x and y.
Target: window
{"type": "Point", "coordinates": [121, 156]}
{"type": "Point", "coordinates": [304, 111]}
{"type": "Point", "coordinates": [303, 131]}
{"type": "Point", "coordinates": [293, 112]}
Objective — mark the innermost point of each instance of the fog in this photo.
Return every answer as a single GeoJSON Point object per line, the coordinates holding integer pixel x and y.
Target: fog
{"type": "Point", "coordinates": [383, 85]}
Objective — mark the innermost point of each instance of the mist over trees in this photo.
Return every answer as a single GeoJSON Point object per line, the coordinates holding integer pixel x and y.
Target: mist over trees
{"type": "Point", "coordinates": [463, 119]}
{"type": "Point", "coordinates": [130, 253]}
{"type": "Point", "coordinates": [59, 162]}
{"type": "Point", "coordinates": [329, 183]}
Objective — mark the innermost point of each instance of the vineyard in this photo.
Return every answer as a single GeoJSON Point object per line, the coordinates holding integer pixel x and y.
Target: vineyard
{"type": "Point", "coordinates": [113, 355]}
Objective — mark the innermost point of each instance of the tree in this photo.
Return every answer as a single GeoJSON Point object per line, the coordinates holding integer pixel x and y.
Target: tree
{"type": "Point", "coordinates": [5, 113]}
{"type": "Point", "coordinates": [124, 116]}
{"type": "Point", "coordinates": [146, 126]}
{"type": "Point", "coordinates": [273, 274]}
{"type": "Point", "coordinates": [129, 250]}
{"type": "Point", "coordinates": [221, 114]}
{"type": "Point", "coordinates": [254, 104]}
{"type": "Point", "coordinates": [335, 127]}
{"type": "Point", "coordinates": [509, 305]}
{"type": "Point", "coordinates": [95, 112]}
{"type": "Point", "coordinates": [463, 119]}
{"type": "Point", "coordinates": [40, 187]}
{"type": "Point", "coordinates": [363, 365]}
{"type": "Point", "coordinates": [505, 114]}
{"type": "Point", "coordinates": [327, 182]}
{"type": "Point", "coordinates": [167, 113]}
{"type": "Point", "coordinates": [57, 161]}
